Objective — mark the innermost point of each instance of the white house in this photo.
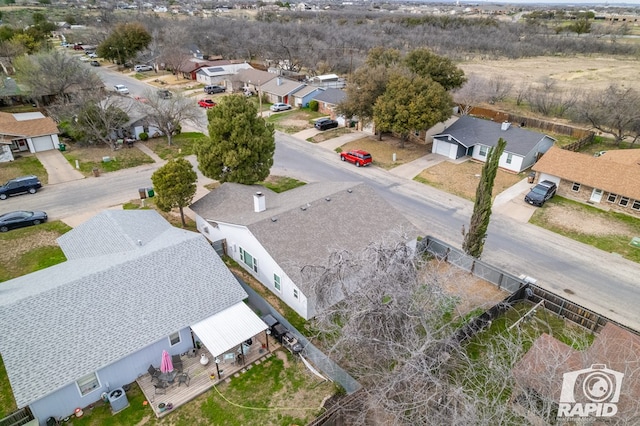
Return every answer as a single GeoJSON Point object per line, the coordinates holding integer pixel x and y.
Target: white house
{"type": "Point", "coordinates": [28, 131]}
{"type": "Point", "coordinates": [132, 286]}
{"type": "Point", "coordinates": [219, 74]}
{"type": "Point", "coordinates": [471, 136]}
{"type": "Point", "coordinates": [274, 236]}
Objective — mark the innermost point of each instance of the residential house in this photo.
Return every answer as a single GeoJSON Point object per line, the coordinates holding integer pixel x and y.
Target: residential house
{"type": "Point", "coordinates": [28, 131]}
{"type": "Point", "coordinates": [328, 101]}
{"type": "Point", "coordinates": [190, 67]}
{"type": "Point", "coordinates": [557, 372]}
{"type": "Point", "coordinates": [219, 74]}
{"type": "Point", "coordinates": [251, 79]}
{"type": "Point", "coordinates": [304, 95]}
{"type": "Point", "coordinates": [328, 81]}
{"type": "Point", "coordinates": [274, 236]}
{"type": "Point", "coordinates": [610, 180]}
{"type": "Point", "coordinates": [473, 137]}
{"type": "Point", "coordinates": [280, 89]}
{"type": "Point", "coordinates": [132, 286]}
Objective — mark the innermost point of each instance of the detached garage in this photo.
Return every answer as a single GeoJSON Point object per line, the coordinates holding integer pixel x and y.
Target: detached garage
{"type": "Point", "coordinates": [30, 131]}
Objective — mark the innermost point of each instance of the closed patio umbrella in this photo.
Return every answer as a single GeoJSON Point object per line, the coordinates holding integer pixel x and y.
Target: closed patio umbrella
{"type": "Point", "coordinates": [166, 366]}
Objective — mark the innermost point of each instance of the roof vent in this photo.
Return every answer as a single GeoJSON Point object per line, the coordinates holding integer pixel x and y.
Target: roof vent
{"type": "Point", "coordinates": [303, 208]}
{"type": "Point", "coordinates": [505, 125]}
{"type": "Point", "coordinates": [349, 190]}
{"type": "Point", "coordinates": [140, 242]}
{"type": "Point", "coordinates": [328, 199]}
{"type": "Point", "coordinates": [259, 202]}
{"type": "Point", "coordinates": [274, 219]}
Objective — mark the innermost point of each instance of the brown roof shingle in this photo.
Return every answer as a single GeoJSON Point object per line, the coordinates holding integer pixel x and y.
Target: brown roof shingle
{"type": "Point", "coordinates": [26, 128]}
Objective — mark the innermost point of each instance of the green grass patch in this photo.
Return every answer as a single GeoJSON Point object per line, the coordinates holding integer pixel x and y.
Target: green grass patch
{"type": "Point", "coordinates": [123, 158]}
{"type": "Point", "coordinates": [294, 120]}
{"type": "Point", "coordinates": [7, 401]}
{"type": "Point", "coordinates": [181, 145]}
{"type": "Point", "coordinates": [23, 165]}
{"type": "Point", "coordinates": [281, 183]}
{"type": "Point", "coordinates": [612, 243]}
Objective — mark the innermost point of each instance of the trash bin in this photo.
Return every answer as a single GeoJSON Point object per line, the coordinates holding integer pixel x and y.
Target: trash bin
{"type": "Point", "coordinates": [150, 192]}
{"type": "Point", "coordinates": [96, 171]}
{"type": "Point", "coordinates": [62, 147]}
{"type": "Point", "coordinates": [143, 193]}
{"type": "Point", "coordinates": [532, 177]}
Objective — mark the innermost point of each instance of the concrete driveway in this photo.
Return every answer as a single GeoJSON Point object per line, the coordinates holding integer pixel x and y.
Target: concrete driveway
{"type": "Point", "coordinates": [58, 168]}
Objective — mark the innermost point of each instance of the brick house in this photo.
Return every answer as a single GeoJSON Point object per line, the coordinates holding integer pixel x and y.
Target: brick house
{"type": "Point", "coordinates": [609, 181]}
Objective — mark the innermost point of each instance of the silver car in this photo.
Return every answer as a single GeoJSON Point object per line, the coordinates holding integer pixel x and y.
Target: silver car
{"type": "Point", "coordinates": [279, 106]}
{"type": "Point", "coordinates": [121, 89]}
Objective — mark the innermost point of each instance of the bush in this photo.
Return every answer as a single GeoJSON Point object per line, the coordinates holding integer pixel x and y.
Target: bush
{"type": "Point", "coordinates": [313, 105]}
{"type": "Point", "coordinates": [143, 136]}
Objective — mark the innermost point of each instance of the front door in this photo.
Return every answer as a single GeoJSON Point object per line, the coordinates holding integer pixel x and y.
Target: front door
{"type": "Point", "coordinates": [596, 195]}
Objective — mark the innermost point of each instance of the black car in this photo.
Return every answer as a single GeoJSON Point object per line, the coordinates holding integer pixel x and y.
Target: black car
{"type": "Point", "coordinates": [20, 219]}
{"type": "Point", "coordinates": [20, 185]}
{"type": "Point", "coordinates": [325, 123]}
{"type": "Point", "coordinates": [540, 193]}
{"type": "Point", "coordinates": [164, 94]}
{"type": "Point", "coordinates": [94, 63]}
{"type": "Point", "coordinates": [211, 89]}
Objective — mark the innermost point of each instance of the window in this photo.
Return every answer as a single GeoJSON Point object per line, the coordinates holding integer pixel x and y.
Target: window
{"type": "Point", "coordinates": [624, 201]}
{"type": "Point", "coordinates": [636, 205]}
{"type": "Point", "coordinates": [248, 260]}
{"type": "Point", "coordinates": [88, 383]}
{"type": "Point", "coordinates": [612, 198]}
{"type": "Point", "coordinates": [295, 293]}
{"type": "Point", "coordinates": [575, 187]}
{"type": "Point", "coordinates": [174, 338]}
{"type": "Point", "coordinates": [276, 282]}
{"type": "Point", "coordinates": [483, 151]}
{"type": "Point", "coordinates": [509, 158]}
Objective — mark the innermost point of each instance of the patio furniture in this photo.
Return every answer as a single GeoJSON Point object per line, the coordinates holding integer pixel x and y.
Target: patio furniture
{"type": "Point", "coordinates": [183, 378]}
{"type": "Point", "coordinates": [177, 362]}
{"type": "Point", "coordinates": [161, 388]}
{"type": "Point", "coordinates": [153, 372]}
{"type": "Point", "coordinates": [168, 377]}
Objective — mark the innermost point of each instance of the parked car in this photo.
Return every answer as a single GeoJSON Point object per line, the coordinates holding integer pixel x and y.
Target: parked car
{"type": "Point", "coordinates": [20, 185]}
{"type": "Point", "coordinates": [357, 157]}
{"type": "Point", "coordinates": [325, 123]}
{"type": "Point", "coordinates": [206, 103]}
{"type": "Point", "coordinates": [94, 63]}
{"type": "Point", "coordinates": [164, 94]}
{"type": "Point", "coordinates": [78, 46]}
{"type": "Point", "coordinates": [21, 218]}
{"type": "Point", "coordinates": [92, 54]}
{"type": "Point", "coordinates": [540, 193]}
{"type": "Point", "coordinates": [279, 106]}
{"type": "Point", "coordinates": [212, 88]}
{"type": "Point", "coordinates": [142, 68]}
{"type": "Point", "coordinates": [122, 89]}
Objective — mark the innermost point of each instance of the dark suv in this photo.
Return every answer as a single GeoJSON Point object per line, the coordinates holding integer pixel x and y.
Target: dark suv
{"type": "Point", "coordinates": [20, 185]}
{"type": "Point", "coordinates": [540, 193]}
{"type": "Point", "coordinates": [325, 123]}
{"type": "Point", "coordinates": [211, 89]}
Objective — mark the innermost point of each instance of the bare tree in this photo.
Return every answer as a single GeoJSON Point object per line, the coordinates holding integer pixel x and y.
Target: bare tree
{"type": "Point", "coordinates": [174, 59]}
{"type": "Point", "coordinates": [168, 115]}
{"type": "Point", "coordinates": [498, 89]}
{"type": "Point", "coordinates": [471, 94]}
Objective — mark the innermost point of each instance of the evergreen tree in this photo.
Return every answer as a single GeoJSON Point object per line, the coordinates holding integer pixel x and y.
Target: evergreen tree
{"type": "Point", "coordinates": [175, 185]}
{"type": "Point", "coordinates": [240, 146]}
{"type": "Point", "coordinates": [474, 239]}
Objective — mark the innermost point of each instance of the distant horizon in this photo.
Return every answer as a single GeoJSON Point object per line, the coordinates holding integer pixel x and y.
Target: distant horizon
{"type": "Point", "coordinates": [600, 4]}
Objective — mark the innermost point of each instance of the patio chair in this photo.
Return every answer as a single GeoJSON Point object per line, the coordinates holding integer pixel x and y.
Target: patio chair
{"type": "Point", "coordinates": [177, 362]}
{"type": "Point", "coordinates": [184, 378]}
{"type": "Point", "coordinates": [161, 387]}
{"type": "Point", "coordinates": [153, 372]}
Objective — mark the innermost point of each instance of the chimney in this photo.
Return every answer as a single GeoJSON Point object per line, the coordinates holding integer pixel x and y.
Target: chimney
{"type": "Point", "coordinates": [278, 81]}
{"type": "Point", "coordinates": [505, 125]}
{"type": "Point", "coordinates": [259, 202]}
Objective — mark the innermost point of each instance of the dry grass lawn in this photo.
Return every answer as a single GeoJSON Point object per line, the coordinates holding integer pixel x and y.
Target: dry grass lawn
{"type": "Point", "coordinates": [462, 179]}
{"type": "Point", "coordinates": [382, 151]}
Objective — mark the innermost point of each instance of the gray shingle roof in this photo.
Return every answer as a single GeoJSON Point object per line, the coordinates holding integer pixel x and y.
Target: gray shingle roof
{"type": "Point", "coordinates": [470, 131]}
{"type": "Point", "coordinates": [353, 217]}
{"type": "Point", "coordinates": [281, 86]}
{"type": "Point", "coordinates": [74, 318]}
{"type": "Point", "coordinates": [331, 96]}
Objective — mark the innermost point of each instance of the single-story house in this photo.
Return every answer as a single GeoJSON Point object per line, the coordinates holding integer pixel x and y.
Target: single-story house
{"type": "Point", "coordinates": [328, 81]}
{"type": "Point", "coordinates": [251, 79]}
{"type": "Point", "coordinates": [329, 99]}
{"type": "Point", "coordinates": [302, 96]}
{"type": "Point", "coordinates": [471, 136]}
{"type": "Point", "coordinates": [610, 180]}
{"type": "Point", "coordinates": [273, 236]}
{"type": "Point", "coordinates": [132, 286]}
{"type": "Point", "coordinates": [28, 131]}
{"type": "Point", "coordinates": [219, 74]}
{"type": "Point", "coordinates": [190, 66]}
{"type": "Point", "coordinates": [280, 89]}
{"type": "Point", "coordinates": [605, 372]}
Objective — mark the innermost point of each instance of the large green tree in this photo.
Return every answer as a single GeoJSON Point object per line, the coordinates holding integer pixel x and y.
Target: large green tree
{"type": "Point", "coordinates": [175, 185]}
{"type": "Point", "coordinates": [474, 239]}
{"type": "Point", "coordinates": [240, 146]}
{"type": "Point", "coordinates": [367, 84]}
{"type": "Point", "coordinates": [440, 69]}
{"type": "Point", "coordinates": [411, 103]}
{"type": "Point", "coordinates": [125, 42]}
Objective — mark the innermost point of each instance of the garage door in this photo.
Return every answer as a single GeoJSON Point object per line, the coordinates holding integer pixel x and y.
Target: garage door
{"type": "Point", "coordinates": [442, 148]}
{"type": "Point", "coordinates": [42, 143]}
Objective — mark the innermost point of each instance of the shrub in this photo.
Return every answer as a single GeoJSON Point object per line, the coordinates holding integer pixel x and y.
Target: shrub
{"type": "Point", "coordinates": [144, 136]}
{"type": "Point", "coordinates": [313, 105]}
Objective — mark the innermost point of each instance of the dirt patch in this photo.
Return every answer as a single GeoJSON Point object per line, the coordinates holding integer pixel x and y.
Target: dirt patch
{"type": "Point", "coordinates": [574, 73]}
{"type": "Point", "coordinates": [382, 151]}
{"type": "Point", "coordinates": [283, 356]}
{"type": "Point", "coordinates": [462, 179]}
{"type": "Point", "coordinates": [576, 219]}
{"type": "Point", "coordinates": [20, 246]}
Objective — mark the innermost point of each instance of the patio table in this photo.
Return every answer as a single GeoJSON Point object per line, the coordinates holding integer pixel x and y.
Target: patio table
{"type": "Point", "coordinates": [168, 377]}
